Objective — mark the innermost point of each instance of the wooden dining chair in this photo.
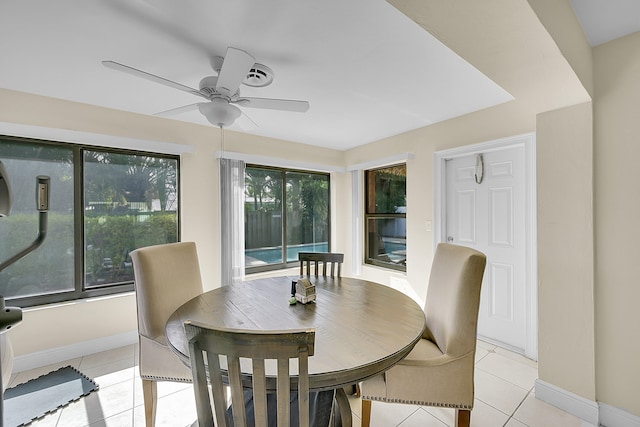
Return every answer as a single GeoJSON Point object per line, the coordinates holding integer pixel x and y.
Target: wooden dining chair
{"type": "Point", "coordinates": [166, 276]}
{"type": "Point", "coordinates": [320, 261]}
{"type": "Point", "coordinates": [222, 355]}
{"type": "Point", "coordinates": [439, 370]}
{"type": "Point", "coordinates": [331, 262]}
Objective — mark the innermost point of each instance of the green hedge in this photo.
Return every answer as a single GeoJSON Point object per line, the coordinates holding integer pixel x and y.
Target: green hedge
{"type": "Point", "coordinates": [51, 266]}
{"type": "Point", "coordinates": [115, 236]}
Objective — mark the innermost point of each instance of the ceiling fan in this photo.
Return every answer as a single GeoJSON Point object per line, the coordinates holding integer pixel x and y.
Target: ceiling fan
{"type": "Point", "coordinates": [222, 91]}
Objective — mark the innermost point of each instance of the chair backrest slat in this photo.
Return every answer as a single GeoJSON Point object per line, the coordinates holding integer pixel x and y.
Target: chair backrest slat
{"type": "Point", "coordinates": [303, 385]}
{"type": "Point", "coordinates": [237, 395]}
{"type": "Point", "coordinates": [235, 344]}
{"type": "Point", "coordinates": [321, 260]}
{"type": "Point", "coordinates": [284, 391]}
{"type": "Point", "coordinates": [260, 392]}
{"type": "Point", "coordinates": [205, 415]}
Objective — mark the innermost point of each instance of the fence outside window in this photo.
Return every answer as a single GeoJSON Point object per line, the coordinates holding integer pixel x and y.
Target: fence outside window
{"type": "Point", "coordinates": [286, 212]}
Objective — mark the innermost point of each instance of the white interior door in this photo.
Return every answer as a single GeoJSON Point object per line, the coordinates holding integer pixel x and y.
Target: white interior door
{"type": "Point", "coordinates": [485, 210]}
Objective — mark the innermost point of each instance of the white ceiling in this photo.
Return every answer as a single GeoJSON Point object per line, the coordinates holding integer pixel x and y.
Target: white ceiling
{"type": "Point", "coordinates": [367, 71]}
{"type": "Point", "coordinates": [605, 20]}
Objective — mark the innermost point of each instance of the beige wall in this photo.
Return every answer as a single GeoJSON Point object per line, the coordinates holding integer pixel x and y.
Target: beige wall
{"type": "Point", "coordinates": [57, 325]}
{"type": "Point", "coordinates": [200, 195]}
{"type": "Point", "coordinates": [562, 24]}
{"type": "Point", "coordinates": [562, 120]}
{"type": "Point", "coordinates": [502, 121]}
{"type": "Point", "coordinates": [52, 327]}
{"type": "Point", "coordinates": [617, 210]}
{"type": "Point", "coordinates": [565, 249]}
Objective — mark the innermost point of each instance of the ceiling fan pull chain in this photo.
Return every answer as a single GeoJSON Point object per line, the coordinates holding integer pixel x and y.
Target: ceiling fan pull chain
{"type": "Point", "coordinates": [222, 140]}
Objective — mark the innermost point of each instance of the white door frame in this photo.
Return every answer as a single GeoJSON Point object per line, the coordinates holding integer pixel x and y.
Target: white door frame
{"type": "Point", "coordinates": [531, 289]}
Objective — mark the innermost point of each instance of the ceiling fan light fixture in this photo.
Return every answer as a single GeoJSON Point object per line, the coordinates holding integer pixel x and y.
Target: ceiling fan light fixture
{"type": "Point", "coordinates": [219, 112]}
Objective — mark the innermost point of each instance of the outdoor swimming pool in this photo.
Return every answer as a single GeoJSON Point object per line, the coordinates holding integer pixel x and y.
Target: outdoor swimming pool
{"type": "Point", "coordinates": [273, 255]}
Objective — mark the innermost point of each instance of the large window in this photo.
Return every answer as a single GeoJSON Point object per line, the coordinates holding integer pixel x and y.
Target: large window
{"type": "Point", "coordinates": [385, 217]}
{"type": "Point", "coordinates": [103, 205]}
{"type": "Point", "coordinates": [286, 212]}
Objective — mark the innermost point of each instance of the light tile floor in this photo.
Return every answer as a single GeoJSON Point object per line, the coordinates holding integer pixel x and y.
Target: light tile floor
{"type": "Point", "coordinates": [504, 396]}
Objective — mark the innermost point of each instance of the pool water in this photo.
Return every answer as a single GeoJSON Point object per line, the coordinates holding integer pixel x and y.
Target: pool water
{"type": "Point", "coordinates": [273, 255]}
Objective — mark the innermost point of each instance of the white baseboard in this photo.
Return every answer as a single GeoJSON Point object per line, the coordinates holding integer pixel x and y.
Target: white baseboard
{"type": "Point", "coordinates": [582, 408]}
{"type": "Point", "coordinates": [60, 354]}
{"type": "Point", "coordinates": [610, 416]}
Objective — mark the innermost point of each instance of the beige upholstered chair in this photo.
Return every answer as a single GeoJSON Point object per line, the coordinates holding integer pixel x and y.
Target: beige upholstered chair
{"type": "Point", "coordinates": [166, 276]}
{"type": "Point", "coordinates": [259, 346]}
{"type": "Point", "coordinates": [320, 262]}
{"type": "Point", "coordinates": [439, 370]}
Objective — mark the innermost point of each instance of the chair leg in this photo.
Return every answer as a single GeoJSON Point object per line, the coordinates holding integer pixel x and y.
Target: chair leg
{"type": "Point", "coordinates": [343, 407]}
{"type": "Point", "coordinates": [150, 396]}
{"type": "Point", "coordinates": [366, 413]}
{"type": "Point", "coordinates": [463, 418]}
{"type": "Point", "coordinates": [353, 389]}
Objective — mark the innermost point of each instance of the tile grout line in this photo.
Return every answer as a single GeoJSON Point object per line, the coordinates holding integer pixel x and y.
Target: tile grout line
{"type": "Point", "coordinates": [518, 407]}
{"type": "Point", "coordinates": [409, 416]}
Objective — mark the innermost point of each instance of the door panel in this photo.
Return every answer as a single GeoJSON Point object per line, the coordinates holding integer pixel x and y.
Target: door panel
{"type": "Point", "coordinates": [501, 216]}
{"type": "Point", "coordinates": [466, 218]}
{"type": "Point", "coordinates": [501, 292]}
{"type": "Point", "coordinates": [488, 214]}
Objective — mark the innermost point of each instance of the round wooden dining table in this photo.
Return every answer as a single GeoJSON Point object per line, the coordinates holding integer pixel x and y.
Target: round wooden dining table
{"type": "Point", "coordinates": [362, 328]}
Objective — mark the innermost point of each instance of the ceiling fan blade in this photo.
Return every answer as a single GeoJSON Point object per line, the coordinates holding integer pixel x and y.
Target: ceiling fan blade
{"type": "Point", "coordinates": [235, 68]}
{"type": "Point", "coordinates": [151, 77]}
{"type": "Point", "coordinates": [274, 104]}
{"type": "Point", "coordinates": [174, 111]}
{"type": "Point", "coordinates": [245, 123]}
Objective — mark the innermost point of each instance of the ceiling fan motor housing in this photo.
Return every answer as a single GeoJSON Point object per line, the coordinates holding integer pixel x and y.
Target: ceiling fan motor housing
{"type": "Point", "coordinates": [208, 87]}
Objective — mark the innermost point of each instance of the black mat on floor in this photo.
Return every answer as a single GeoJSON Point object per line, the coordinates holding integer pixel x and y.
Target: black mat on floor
{"type": "Point", "coordinates": [36, 398]}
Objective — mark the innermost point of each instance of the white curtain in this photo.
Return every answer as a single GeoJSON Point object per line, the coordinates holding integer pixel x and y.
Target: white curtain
{"type": "Point", "coordinates": [232, 220]}
{"type": "Point", "coordinates": [357, 204]}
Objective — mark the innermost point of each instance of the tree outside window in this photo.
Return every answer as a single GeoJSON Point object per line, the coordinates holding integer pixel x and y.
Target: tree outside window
{"type": "Point", "coordinates": [286, 212]}
{"type": "Point", "coordinates": [103, 205]}
{"type": "Point", "coordinates": [385, 217]}
{"type": "Point", "coordinates": [130, 201]}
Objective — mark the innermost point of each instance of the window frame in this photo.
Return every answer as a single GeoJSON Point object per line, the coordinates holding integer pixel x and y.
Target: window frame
{"type": "Point", "coordinates": [283, 170]}
{"type": "Point", "coordinates": [368, 260]}
{"type": "Point", "coordinates": [80, 291]}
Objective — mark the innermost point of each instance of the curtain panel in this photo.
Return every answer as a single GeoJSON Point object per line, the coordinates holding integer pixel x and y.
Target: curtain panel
{"type": "Point", "coordinates": [232, 220]}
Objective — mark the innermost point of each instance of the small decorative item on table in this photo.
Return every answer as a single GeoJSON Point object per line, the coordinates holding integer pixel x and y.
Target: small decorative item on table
{"type": "Point", "coordinates": [293, 299]}
{"type": "Point", "coordinates": [305, 291]}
